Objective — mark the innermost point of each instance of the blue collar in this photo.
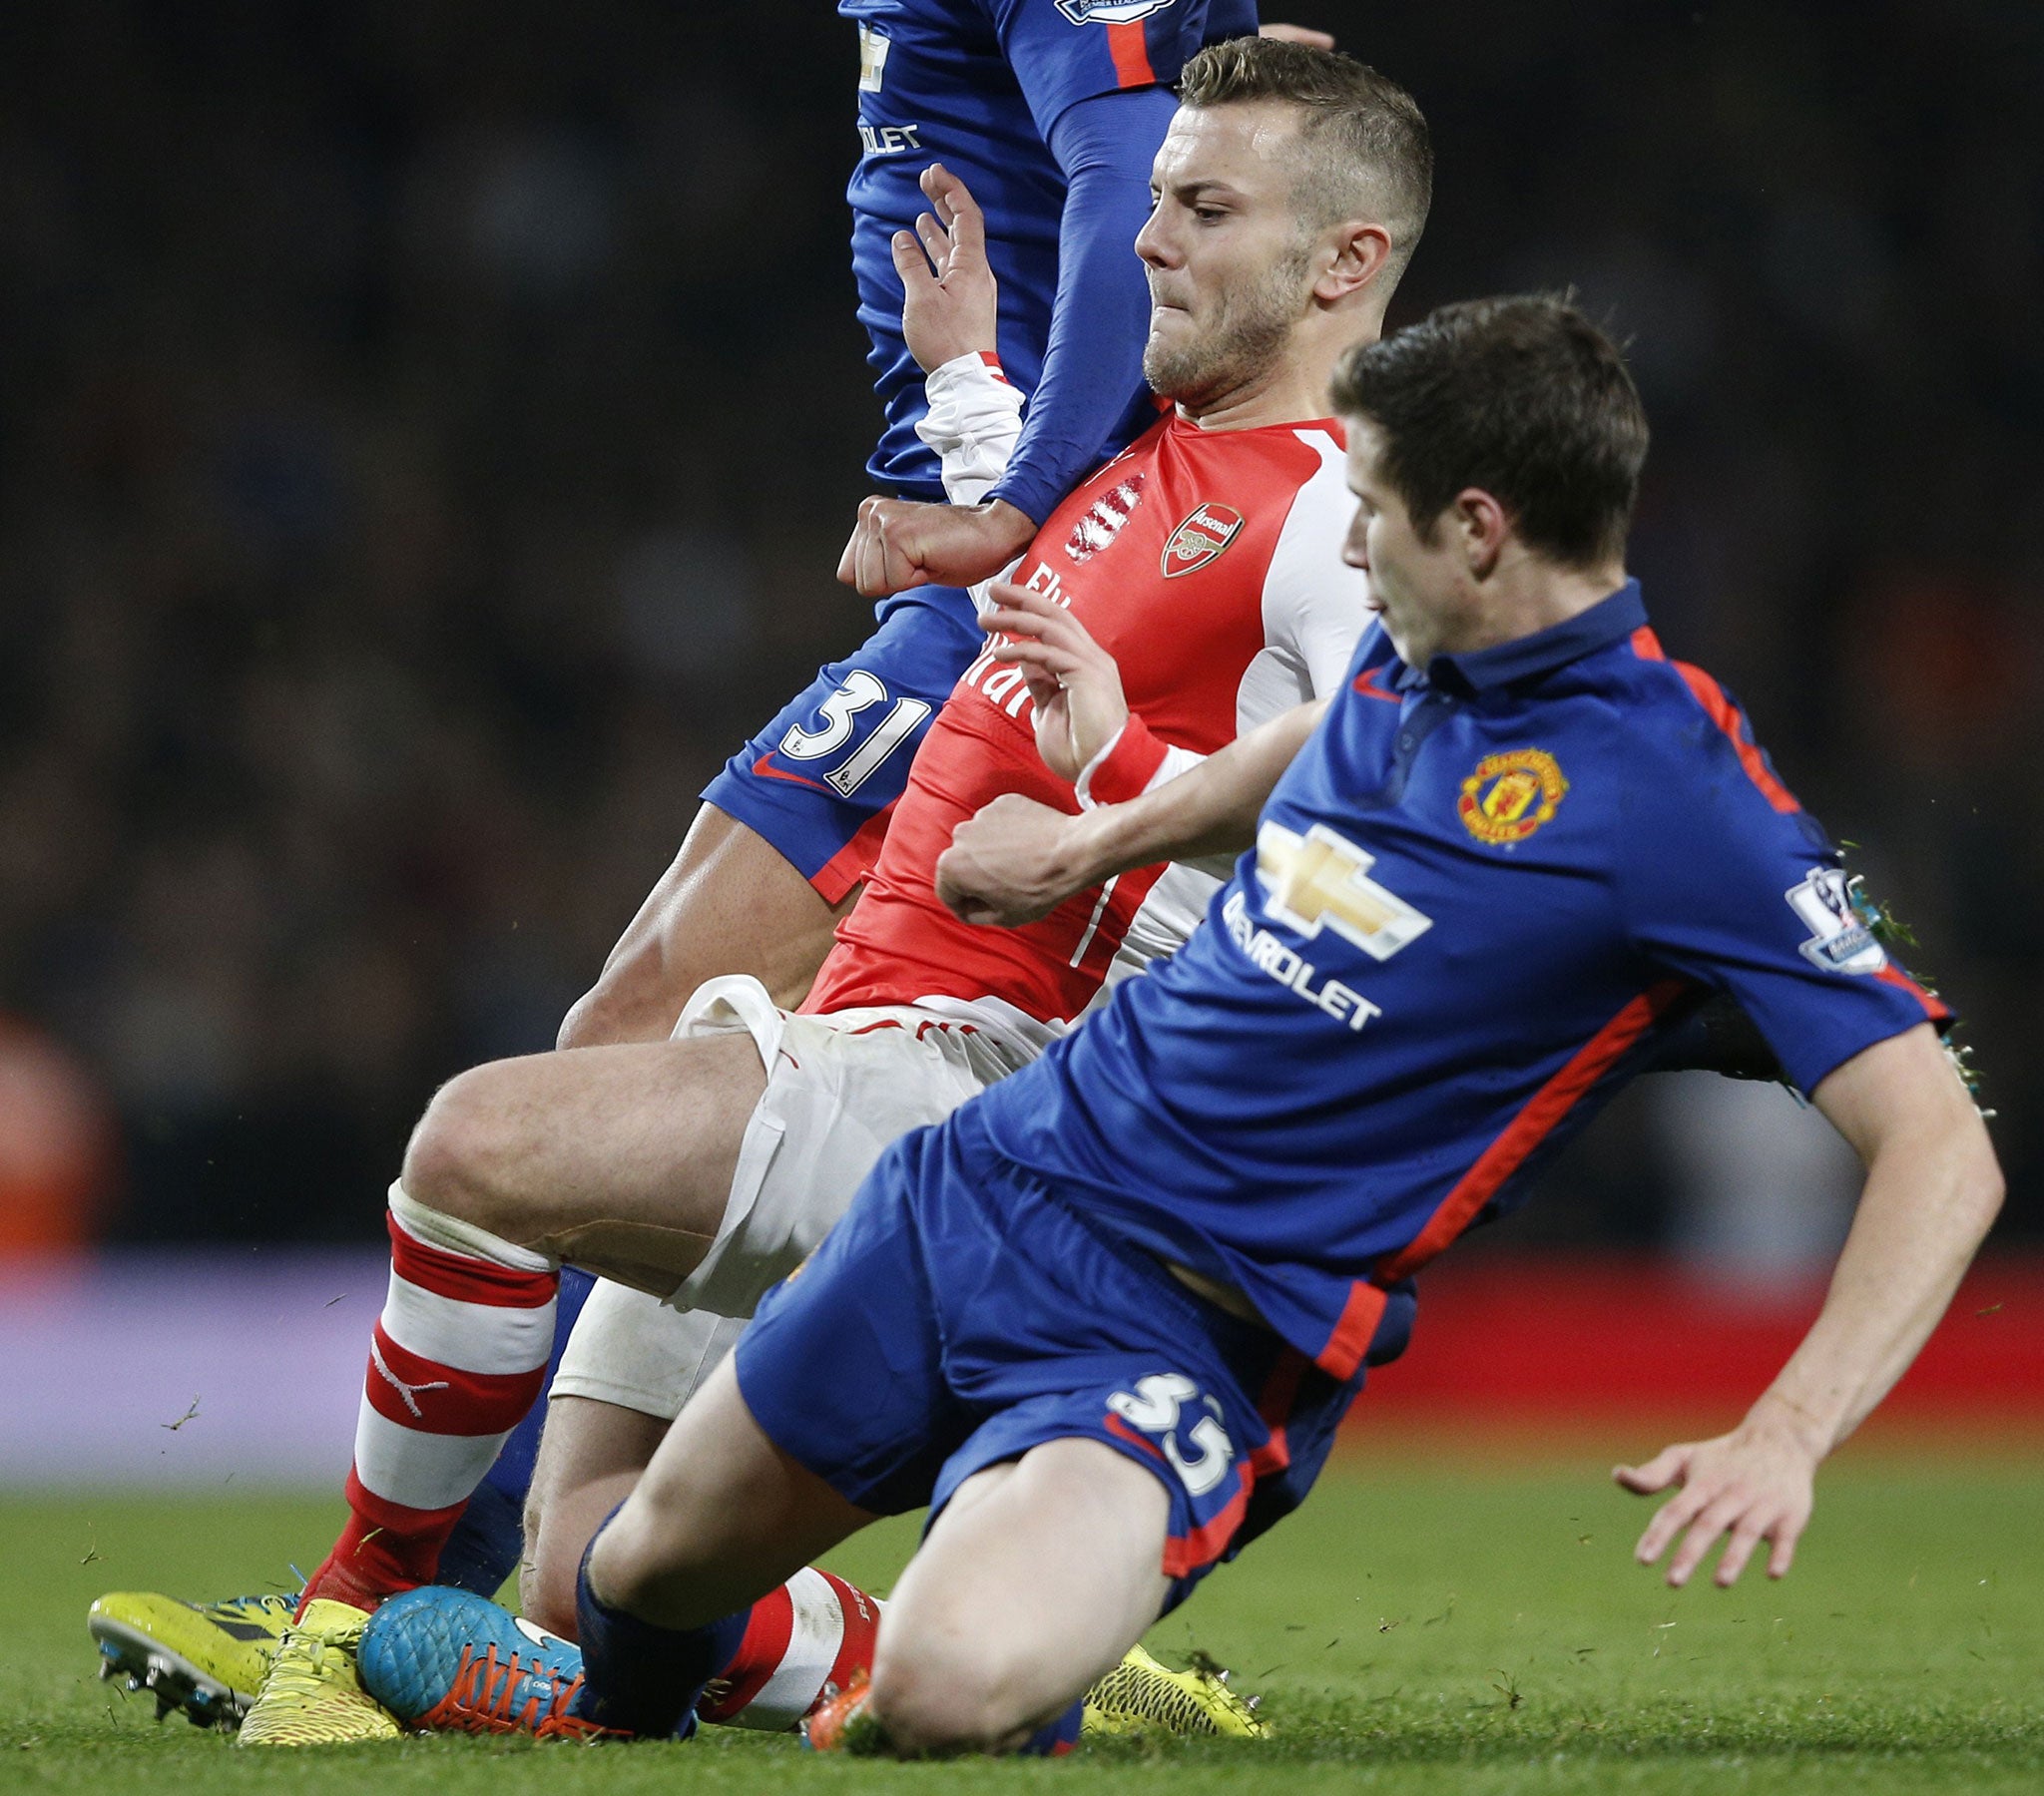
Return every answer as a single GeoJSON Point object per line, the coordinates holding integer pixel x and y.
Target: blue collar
{"type": "Point", "coordinates": [1606, 622]}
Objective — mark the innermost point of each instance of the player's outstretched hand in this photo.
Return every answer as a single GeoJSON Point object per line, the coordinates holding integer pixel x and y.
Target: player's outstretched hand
{"type": "Point", "coordinates": [949, 302]}
{"type": "Point", "coordinates": [1075, 683]}
{"type": "Point", "coordinates": [1009, 864]}
{"type": "Point", "coordinates": [1755, 1484]}
{"type": "Point", "coordinates": [1298, 34]}
{"type": "Point", "coordinates": [899, 543]}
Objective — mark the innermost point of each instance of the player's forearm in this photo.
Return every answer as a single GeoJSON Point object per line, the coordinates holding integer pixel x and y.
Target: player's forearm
{"type": "Point", "coordinates": [1092, 367]}
{"type": "Point", "coordinates": [1929, 1201]}
{"type": "Point", "coordinates": [1210, 811]}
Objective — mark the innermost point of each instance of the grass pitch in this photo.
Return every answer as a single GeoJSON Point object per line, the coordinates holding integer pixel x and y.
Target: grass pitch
{"type": "Point", "coordinates": [1426, 1625]}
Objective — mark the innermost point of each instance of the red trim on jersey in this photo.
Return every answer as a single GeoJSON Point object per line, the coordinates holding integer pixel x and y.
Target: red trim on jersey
{"type": "Point", "coordinates": [452, 1401]}
{"type": "Point", "coordinates": [1130, 56]}
{"type": "Point", "coordinates": [1532, 1126]}
{"type": "Point", "coordinates": [1352, 1334]}
{"type": "Point", "coordinates": [993, 362]}
{"type": "Point", "coordinates": [1727, 717]}
{"type": "Point", "coordinates": [852, 863]}
{"type": "Point", "coordinates": [1934, 1007]}
{"type": "Point", "coordinates": [464, 1278]}
{"type": "Point", "coordinates": [1367, 685]}
{"type": "Point", "coordinates": [1127, 769]}
{"type": "Point", "coordinates": [1189, 1553]}
{"type": "Point", "coordinates": [769, 1630]}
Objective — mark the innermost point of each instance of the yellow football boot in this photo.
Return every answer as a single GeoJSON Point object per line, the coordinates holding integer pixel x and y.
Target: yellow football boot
{"type": "Point", "coordinates": [206, 1659]}
{"type": "Point", "coordinates": [1141, 1696]}
{"type": "Point", "coordinates": [312, 1696]}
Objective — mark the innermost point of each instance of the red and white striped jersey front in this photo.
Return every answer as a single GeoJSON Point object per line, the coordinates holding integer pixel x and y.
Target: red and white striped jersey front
{"type": "Point", "coordinates": [1208, 563]}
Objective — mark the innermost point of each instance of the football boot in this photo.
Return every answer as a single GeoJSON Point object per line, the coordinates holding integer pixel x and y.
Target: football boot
{"type": "Point", "coordinates": [206, 1659]}
{"type": "Point", "coordinates": [443, 1658]}
{"type": "Point", "coordinates": [1141, 1696]}
{"type": "Point", "coordinates": [312, 1696]}
{"type": "Point", "coordinates": [840, 1724]}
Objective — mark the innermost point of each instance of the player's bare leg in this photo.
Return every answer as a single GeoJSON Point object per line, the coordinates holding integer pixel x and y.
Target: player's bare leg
{"type": "Point", "coordinates": [618, 1158]}
{"type": "Point", "coordinates": [731, 903]}
{"type": "Point", "coordinates": [1034, 1581]}
{"type": "Point", "coordinates": [590, 1458]}
{"type": "Point", "coordinates": [720, 1515]}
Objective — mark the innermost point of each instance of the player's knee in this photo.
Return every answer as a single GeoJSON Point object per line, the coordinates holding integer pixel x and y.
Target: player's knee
{"type": "Point", "coordinates": [633, 1564]}
{"type": "Point", "coordinates": [938, 1700]}
{"type": "Point", "coordinates": [455, 1152]}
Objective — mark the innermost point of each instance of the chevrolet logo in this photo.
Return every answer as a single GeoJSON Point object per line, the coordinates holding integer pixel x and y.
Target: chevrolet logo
{"type": "Point", "coordinates": [1320, 879]}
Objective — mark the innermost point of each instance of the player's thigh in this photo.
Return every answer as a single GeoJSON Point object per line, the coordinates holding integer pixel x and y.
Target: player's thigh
{"type": "Point", "coordinates": [720, 1517]}
{"type": "Point", "coordinates": [642, 1137]}
{"type": "Point", "coordinates": [731, 902]}
{"type": "Point", "coordinates": [1034, 1581]}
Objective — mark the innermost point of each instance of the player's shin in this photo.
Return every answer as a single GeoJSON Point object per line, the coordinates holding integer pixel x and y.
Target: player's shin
{"type": "Point", "coordinates": [642, 1678]}
{"type": "Point", "coordinates": [458, 1357]}
{"type": "Point", "coordinates": [485, 1546]}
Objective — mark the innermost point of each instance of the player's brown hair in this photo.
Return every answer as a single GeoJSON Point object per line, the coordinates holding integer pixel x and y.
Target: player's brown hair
{"type": "Point", "coordinates": [1523, 397]}
{"type": "Point", "coordinates": [1367, 153]}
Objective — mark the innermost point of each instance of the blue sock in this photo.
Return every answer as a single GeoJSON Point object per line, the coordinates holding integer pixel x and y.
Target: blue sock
{"type": "Point", "coordinates": [641, 1677]}
{"type": "Point", "coordinates": [484, 1547]}
{"type": "Point", "coordinates": [1055, 1739]}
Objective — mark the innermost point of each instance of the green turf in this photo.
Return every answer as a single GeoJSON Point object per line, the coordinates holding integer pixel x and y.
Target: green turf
{"type": "Point", "coordinates": [1431, 1629]}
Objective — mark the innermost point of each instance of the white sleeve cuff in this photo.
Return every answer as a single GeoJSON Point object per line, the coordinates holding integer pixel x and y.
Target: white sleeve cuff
{"type": "Point", "coordinates": [973, 422]}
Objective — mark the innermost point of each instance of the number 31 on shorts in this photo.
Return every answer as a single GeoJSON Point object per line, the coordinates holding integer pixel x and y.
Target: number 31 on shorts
{"type": "Point", "coordinates": [859, 692]}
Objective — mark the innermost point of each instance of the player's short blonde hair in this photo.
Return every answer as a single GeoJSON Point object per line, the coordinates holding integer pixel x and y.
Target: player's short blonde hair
{"type": "Point", "coordinates": [1365, 153]}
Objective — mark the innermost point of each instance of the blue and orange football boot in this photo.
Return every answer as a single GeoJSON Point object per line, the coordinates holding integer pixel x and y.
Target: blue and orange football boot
{"type": "Point", "coordinates": [444, 1659]}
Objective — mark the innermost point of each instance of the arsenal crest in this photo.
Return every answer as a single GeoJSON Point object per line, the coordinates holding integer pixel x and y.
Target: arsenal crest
{"type": "Point", "coordinates": [1199, 539]}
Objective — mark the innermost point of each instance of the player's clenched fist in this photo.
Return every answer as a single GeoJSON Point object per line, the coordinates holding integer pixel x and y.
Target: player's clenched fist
{"type": "Point", "coordinates": [900, 543]}
{"type": "Point", "coordinates": [1009, 864]}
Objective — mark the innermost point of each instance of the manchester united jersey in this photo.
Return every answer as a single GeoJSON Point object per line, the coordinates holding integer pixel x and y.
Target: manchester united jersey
{"type": "Point", "coordinates": [1477, 898]}
{"type": "Point", "coordinates": [1208, 563]}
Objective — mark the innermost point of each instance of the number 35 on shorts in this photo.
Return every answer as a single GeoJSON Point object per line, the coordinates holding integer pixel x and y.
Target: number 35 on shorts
{"type": "Point", "coordinates": [1200, 1454]}
{"type": "Point", "coordinates": [857, 702]}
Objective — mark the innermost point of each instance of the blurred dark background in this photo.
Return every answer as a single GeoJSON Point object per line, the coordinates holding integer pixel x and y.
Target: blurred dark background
{"type": "Point", "coordinates": [428, 430]}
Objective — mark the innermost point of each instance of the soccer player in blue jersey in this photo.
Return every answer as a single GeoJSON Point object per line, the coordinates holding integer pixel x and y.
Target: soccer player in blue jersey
{"type": "Point", "coordinates": [1050, 111]}
{"type": "Point", "coordinates": [1106, 1318]}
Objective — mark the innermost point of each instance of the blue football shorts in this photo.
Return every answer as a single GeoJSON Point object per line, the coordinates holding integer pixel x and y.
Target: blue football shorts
{"type": "Point", "coordinates": [819, 781]}
{"type": "Point", "coordinates": [961, 1314]}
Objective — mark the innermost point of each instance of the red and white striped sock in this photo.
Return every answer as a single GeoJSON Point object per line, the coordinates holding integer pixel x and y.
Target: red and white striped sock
{"type": "Point", "coordinates": [458, 1357]}
{"type": "Point", "coordinates": [814, 1631]}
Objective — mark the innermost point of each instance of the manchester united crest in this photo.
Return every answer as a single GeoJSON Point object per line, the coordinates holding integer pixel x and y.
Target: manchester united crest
{"type": "Point", "coordinates": [1200, 539]}
{"type": "Point", "coordinates": [1510, 796]}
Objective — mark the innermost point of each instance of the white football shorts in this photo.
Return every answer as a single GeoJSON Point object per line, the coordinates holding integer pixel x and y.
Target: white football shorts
{"type": "Point", "coordinates": [840, 1090]}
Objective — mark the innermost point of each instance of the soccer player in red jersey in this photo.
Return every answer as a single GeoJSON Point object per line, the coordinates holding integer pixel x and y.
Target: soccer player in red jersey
{"type": "Point", "coordinates": [696, 1172]}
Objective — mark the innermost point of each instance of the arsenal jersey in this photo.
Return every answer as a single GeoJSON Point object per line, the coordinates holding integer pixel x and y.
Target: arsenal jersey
{"type": "Point", "coordinates": [1208, 563]}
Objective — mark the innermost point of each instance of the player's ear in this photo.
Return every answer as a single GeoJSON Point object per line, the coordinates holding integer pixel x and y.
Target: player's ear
{"type": "Point", "coordinates": [1353, 255]}
{"type": "Point", "coordinates": [1481, 525]}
